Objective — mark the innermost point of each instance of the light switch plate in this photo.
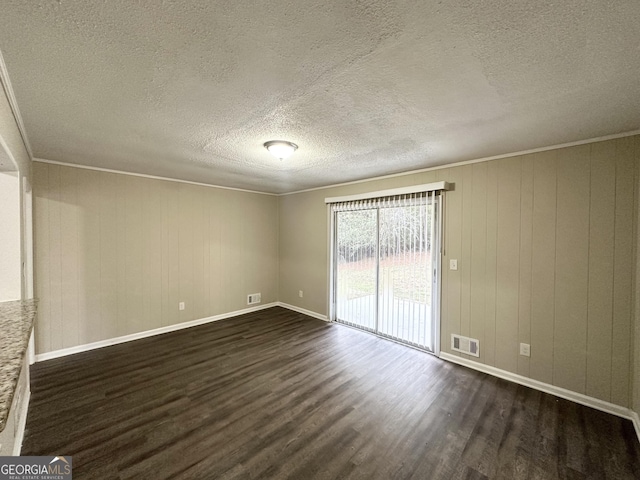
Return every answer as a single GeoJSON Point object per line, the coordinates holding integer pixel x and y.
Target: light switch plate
{"type": "Point", "coordinates": [453, 264]}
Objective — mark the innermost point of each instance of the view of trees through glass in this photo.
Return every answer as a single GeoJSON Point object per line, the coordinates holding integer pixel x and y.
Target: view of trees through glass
{"type": "Point", "coordinates": [399, 269]}
{"type": "Point", "coordinates": [404, 248]}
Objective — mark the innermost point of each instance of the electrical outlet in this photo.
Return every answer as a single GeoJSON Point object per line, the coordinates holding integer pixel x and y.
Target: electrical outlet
{"type": "Point", "coordinates": [525, 349]}
{"type": "Point", "coordinates": [181, 306]}
{"type": "Point", "coordinates": [300, 293]}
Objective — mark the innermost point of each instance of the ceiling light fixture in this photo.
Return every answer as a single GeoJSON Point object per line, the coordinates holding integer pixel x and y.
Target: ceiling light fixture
{"type": "Point", "coordinates": [280, 149]}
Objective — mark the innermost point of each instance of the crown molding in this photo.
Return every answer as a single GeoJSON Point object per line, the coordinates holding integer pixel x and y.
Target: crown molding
{"type": "Point", "coordinates": [6, 83]}
{"type": "Point", "coordinates": [470, 162]}
{"type": "Point", "coordinates": [355, 182]}
{"type": "Point", "coordinates": [143, 175]}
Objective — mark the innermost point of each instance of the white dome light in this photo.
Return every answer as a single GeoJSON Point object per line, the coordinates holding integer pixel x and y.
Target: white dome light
{"type": "Point", "coordinates": [281, 149]}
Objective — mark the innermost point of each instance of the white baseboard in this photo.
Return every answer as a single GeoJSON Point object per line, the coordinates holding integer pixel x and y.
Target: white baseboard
{"type": "Point", "coordinates": [636, 423]}
{"type": "Point", "coordinates": [496, 372]}
{"type": "Point", "coordinates": [548, 388]}
{"type": "Point", "coordinates": [147, 333]}
{"type": "Point", "coordinates": [514, 377]}
{"type": "Point", "coordinates": [304, 311]}
{"type": "Point", "coordinates": [22, 424]}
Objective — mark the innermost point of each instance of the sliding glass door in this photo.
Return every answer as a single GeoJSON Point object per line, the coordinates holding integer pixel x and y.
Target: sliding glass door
{"type": "Point", "coordinates": [386, 267]}
{"type": "Point", "coordinates": [357, 268]}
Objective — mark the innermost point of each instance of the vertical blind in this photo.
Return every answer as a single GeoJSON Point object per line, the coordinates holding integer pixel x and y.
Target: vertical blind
{"type": "Point", "coordinates": [384, 265]}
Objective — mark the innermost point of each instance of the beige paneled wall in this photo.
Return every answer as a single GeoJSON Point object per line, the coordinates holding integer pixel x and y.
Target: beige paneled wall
{"type": "Point", "coordinates": [545, 245]}
{"type": "Point", "coordinates": [115, 254]}
{"type": "Point", "coordinates": [545, 249]}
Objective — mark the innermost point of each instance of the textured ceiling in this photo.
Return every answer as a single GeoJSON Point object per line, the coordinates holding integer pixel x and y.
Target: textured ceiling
{"type": "Point", "coordinates": [192, 89]}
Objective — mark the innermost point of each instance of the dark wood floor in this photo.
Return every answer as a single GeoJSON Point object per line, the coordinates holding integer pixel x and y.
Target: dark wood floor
{"type": "Point", "coordinates": [275, 394]}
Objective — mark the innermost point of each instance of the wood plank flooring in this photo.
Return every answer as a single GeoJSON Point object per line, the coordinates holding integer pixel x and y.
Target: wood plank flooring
{"type": "Point", "coordinates": [275, 394]}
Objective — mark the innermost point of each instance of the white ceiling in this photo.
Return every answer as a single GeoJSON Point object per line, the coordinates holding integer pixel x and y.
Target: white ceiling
{"type": "Point", "coordinates": [192, 89]}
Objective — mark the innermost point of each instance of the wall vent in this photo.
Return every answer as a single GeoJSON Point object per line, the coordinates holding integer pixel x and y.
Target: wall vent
{"type": "Point", "coordinates": [253, 298]}
{"type": "Point", "coordinates": [470, 346]}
